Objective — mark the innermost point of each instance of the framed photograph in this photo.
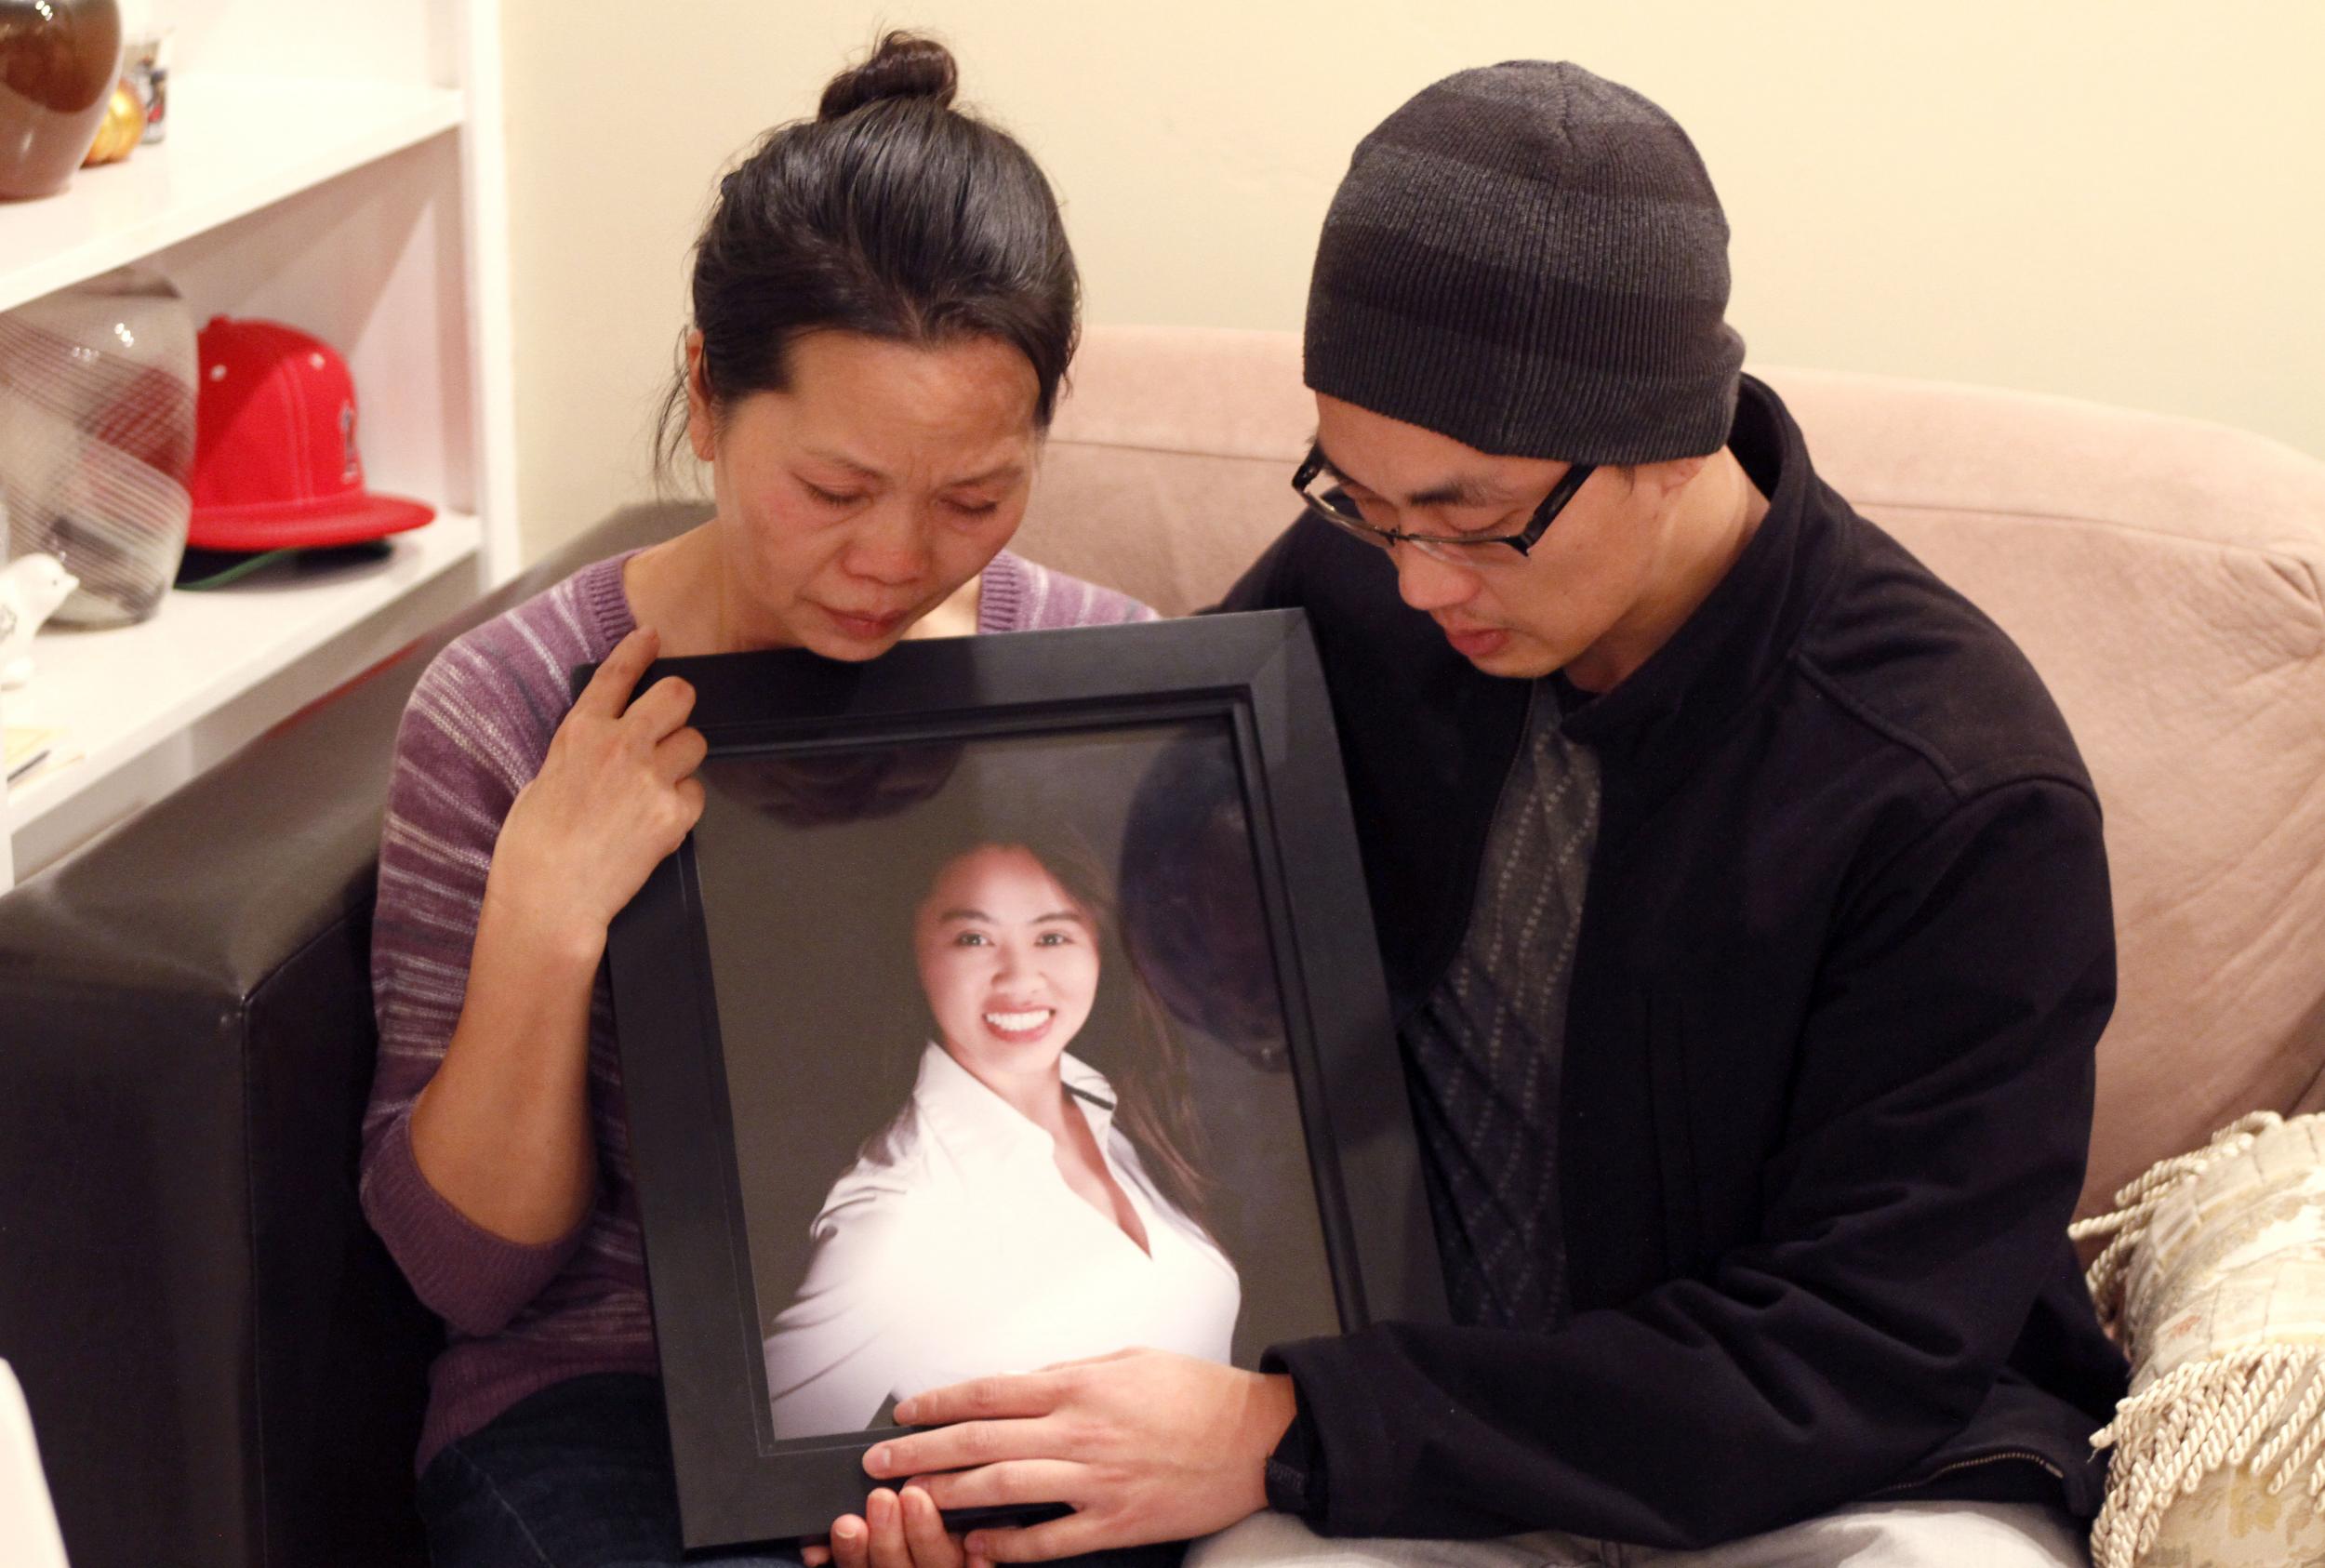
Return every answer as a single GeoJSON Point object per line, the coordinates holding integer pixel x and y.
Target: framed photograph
{"type": "Point", "coordinates": [1015, 1001]}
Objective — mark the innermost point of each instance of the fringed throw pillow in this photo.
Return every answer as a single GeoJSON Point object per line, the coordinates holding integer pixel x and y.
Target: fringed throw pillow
{"type": "Point", "coordinates": [2213, 1282]}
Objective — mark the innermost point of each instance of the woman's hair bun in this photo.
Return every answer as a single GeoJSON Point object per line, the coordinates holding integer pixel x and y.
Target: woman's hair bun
{"type": "Point", "coordinates": [905, 65]}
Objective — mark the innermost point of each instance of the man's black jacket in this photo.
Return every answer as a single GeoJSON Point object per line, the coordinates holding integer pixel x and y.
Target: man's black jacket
{"type": "Point", "coordinates": [1828, 1076]}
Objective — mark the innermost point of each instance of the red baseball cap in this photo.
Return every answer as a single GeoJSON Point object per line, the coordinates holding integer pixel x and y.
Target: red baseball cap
{"type": "Point", "coordinates": [275, 459]}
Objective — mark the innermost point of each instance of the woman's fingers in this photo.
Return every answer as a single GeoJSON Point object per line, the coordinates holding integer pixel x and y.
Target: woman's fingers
{"type": "Point", "coordinates": [617, 673]}
{"type": "Point", "coordinates": [851, 1543]}
{"type": "Point", "coordinates": [654, 713]}
{"type": "Point", "coordinates": [661, 709]}
{"type": "Point", "coordinates": [892, 1532]}
{"type": "Point", "coordinates": [679, 753]}
{"type": "Point", "coordinates": [616, 793]}
{"type": "Point", "coordinates": [690, 796]}
{"type": "Point", "coordinates": [932, 1546]}
{"type": "Point", "coordinates": [885, 1515]}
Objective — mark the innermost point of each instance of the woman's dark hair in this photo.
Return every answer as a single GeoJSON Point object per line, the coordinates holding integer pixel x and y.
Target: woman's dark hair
{"type": "Point", "coordinates": [890, 214]}
{"type": "Point", "coordinates": [1128, 1037]}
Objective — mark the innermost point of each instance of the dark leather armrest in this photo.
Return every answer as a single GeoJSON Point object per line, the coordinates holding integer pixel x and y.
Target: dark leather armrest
{"type": "Point", "coordinates": [223, 1366]}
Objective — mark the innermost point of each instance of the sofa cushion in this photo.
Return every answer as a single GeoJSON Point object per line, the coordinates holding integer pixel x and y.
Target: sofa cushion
{"type": "Point", "coordinates": [1170, 465]}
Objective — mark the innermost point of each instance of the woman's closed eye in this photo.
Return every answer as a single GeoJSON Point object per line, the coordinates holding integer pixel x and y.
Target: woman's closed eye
{"type": "Point", "coordinates": [967, 510]}
{"type": "Point", "coordinates": [836, 500]}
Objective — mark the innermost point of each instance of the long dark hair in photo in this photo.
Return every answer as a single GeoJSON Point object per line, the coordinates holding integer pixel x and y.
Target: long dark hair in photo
{"type": "Point", "coordinates": [890, 214]}
{"type": "Point", "coordinates": [1129, 1035]}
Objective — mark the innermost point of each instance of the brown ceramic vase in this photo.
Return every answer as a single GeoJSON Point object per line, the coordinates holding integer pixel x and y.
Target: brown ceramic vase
{"type": "Point", "coordinates": [59, 62]}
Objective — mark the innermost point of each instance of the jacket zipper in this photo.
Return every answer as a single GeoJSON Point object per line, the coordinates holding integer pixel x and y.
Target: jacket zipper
{"type": "Point", "coordinates": [1973, 1463]}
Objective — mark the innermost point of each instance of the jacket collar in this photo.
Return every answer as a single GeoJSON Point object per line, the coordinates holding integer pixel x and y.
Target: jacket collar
{"type": "Point", "coordinates": [976, 1125]}
{"type": "Point", "coordinates": [1745, 629]}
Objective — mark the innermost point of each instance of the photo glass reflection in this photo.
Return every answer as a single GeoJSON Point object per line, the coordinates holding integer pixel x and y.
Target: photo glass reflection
{"type": "Point", "coordinates": [1005, 1057]}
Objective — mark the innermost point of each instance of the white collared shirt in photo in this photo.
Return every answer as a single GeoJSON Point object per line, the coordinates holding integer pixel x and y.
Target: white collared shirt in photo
{"type": "Point", "coordinates": [965, 1254]}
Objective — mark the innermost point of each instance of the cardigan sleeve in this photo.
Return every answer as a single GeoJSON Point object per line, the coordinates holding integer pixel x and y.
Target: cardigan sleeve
{"type": "Point", "coordinates": [457, 770]}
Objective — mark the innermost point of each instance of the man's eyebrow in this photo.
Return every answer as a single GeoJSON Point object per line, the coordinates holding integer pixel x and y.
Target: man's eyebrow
{"type": "Point", "coordinates": [1461, 489]}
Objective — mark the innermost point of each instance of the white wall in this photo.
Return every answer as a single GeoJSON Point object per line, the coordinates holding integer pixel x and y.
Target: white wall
{"type": "Point", "coordinates": [2115, 199]}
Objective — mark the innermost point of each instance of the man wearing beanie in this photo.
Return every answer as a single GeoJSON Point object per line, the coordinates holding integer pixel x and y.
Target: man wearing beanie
{"type": "Point", "coordinates": [1744, 905]}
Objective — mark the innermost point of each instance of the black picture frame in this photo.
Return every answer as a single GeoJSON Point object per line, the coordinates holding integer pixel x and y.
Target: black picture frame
{"type": "Point", "coordinates": [1257, 678]}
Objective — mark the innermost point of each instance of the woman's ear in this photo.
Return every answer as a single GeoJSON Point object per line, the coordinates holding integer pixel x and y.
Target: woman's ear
{"type": "Point", "coordinates": [701, 427]}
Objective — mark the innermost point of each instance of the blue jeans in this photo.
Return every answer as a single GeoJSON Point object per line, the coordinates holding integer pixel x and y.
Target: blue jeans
{"type": "Point", "coordinates": [578, 1476]}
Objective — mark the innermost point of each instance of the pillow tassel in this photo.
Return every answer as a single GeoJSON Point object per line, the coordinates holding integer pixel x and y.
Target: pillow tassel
{"type": "Point", "coordinates": [2136, 1204]}
{"type": "Point", "coordinates": [2205, 1416]}
{"type": "Point", "coordinates": [2260, 1407]}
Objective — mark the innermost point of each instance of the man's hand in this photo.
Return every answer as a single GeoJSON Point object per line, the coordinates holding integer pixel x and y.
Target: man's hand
{"type": "Point", "coordinates": [1143, 1445]}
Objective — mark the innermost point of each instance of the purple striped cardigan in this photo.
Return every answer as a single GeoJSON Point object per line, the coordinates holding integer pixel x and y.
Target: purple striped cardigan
{"type": "Point", "coordinates": [522, 1318]}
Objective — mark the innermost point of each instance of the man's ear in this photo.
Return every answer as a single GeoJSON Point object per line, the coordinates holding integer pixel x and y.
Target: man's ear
{"type": "Point", "coordinates": [701, 427]}
{"type": "Point", "coordinates": [1667, 478]}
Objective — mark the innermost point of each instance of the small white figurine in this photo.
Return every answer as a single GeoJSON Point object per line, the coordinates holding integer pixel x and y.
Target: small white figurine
{"type": "Point", "coordinates": [30, 592]}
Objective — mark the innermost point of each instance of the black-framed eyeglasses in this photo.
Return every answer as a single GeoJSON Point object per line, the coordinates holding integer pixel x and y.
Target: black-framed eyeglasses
{"type": "Point", "coordinates": [1460, 550]}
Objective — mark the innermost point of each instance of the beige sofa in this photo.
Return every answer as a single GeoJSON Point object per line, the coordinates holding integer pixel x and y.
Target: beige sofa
{"type": "Point", "coordinates": [224, 1368]}
{"type": "Point", "coordinates": [2166, 577]}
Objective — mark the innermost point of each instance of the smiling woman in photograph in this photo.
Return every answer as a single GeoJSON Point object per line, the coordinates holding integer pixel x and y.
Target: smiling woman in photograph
{"type": "Point", "coordinates": [1016, 1158]}
{"type": "Point", "coordinates": [884, 308]}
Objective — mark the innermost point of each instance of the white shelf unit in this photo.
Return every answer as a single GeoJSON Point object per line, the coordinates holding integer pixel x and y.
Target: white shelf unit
{"type": "Point", "coordinates": [342, 171]}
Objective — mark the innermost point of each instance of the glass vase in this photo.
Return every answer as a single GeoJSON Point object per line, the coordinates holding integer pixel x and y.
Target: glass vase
{"type": "Point", "coordinates": [97, 401]}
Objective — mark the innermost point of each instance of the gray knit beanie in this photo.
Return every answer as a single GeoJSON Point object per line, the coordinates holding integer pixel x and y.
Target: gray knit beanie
{"type": "Point", "coordinates": [1531, 260]}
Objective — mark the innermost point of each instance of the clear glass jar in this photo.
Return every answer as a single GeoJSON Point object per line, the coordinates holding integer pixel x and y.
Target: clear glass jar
{"type": "Point", "coordinates": [97, 401]}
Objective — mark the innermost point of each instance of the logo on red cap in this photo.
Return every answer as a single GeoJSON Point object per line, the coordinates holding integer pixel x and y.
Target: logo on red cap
{"type": "Point", "coordinates": [275, 464]}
